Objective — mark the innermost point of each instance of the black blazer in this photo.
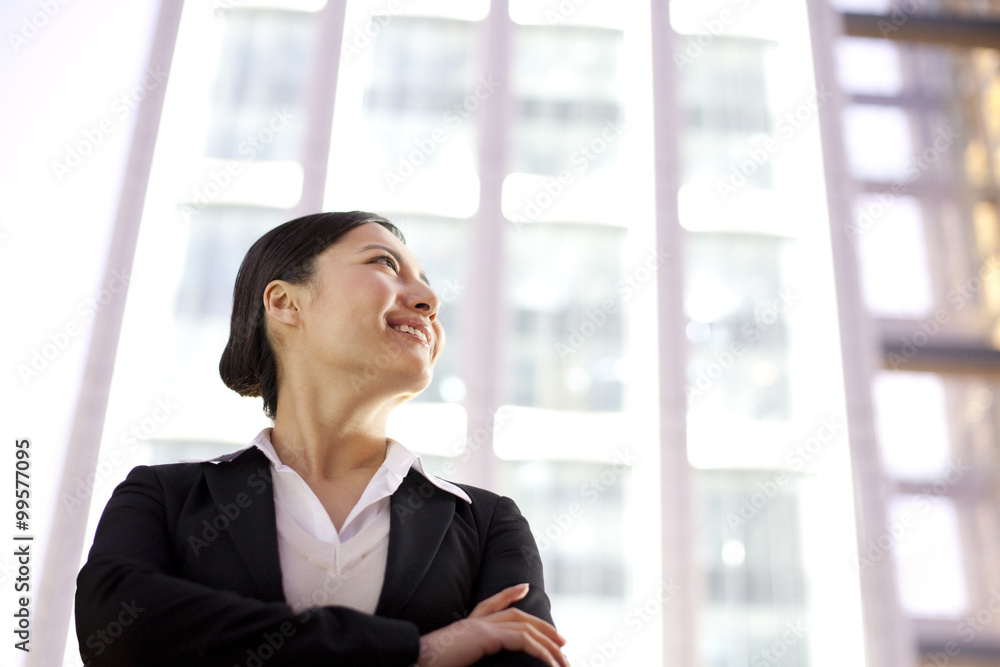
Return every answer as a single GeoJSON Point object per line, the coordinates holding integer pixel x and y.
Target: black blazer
{"type": "Point", "coordinates": [184, 570]}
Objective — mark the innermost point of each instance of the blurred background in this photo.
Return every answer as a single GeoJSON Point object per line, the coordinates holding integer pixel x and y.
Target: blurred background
{"type": "Point", "coordinates": [720, 282]}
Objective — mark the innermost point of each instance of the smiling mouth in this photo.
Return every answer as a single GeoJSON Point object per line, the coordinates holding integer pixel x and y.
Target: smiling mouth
{"type": "Point", "coordinates": [416, 333]}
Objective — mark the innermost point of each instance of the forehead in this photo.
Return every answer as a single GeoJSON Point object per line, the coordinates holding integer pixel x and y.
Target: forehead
{"type": "Point", "coordinates": [370, 232]}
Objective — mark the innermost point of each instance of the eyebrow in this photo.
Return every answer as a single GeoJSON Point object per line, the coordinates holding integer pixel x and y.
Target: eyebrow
{"type": "Point", "coordinates": [395, 255]}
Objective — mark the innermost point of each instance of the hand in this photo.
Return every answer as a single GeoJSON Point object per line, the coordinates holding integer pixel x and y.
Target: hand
{"type": "Point", "coordinates": [491, 627]}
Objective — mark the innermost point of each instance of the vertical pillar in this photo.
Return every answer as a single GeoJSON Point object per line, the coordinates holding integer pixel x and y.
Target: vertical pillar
{"type": "Point", "coordinates": [677, 502]}
{"type": "Point", "coordinates": [486, 319]}
{"type": "Point", "coordinates": [887, 634]}
{"type": "Point", "coordinates": [69, 526]}
{"type": "Point", "coordinates": [322, 93]}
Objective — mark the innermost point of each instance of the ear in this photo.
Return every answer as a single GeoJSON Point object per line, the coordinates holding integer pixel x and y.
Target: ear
{"type": "Point", "coordinates": [281, 302]}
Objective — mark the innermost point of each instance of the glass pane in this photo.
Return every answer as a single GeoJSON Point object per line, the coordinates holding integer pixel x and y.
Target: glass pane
{"type": "Point", "coordinates": [738, 301]}
{"type": "Point", "coordinates": [723, 93]}
{"type": "Point", "coordinates": [217, 241]}
{"type": "Point", "coordinates": [869, 66]}
{"type": "Point", "coordinates": [565, 84]}
{"type": "Point", "coordinates": [406, 118]}
{"type": "Point", "coordinates": [930, 153]}
{"type": "Point", "coordinates": [931, 425]}
{"type": "Point", "coordinates": [569, 292]}
{"type": "Point", "coordinates": [260, 84]}
{"type": "Point", "coordinates": [888, 128]}
{"type": "Point", "coordinates": [575, 510]}
{"type": "Point", "coordinates": [416, 100]}
{"type": "Point", "coordinates": [892, 256]}
{"type": "Point", "coordinates": [912, 422]}
{"type": "Point", "coordinates": [925, 535]}
{"type": "Point", "coordinates": [755, 566]}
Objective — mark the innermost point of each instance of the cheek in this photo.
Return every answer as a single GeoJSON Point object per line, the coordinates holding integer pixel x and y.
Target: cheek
{"type": "Point", "coordinates": [440, 338]}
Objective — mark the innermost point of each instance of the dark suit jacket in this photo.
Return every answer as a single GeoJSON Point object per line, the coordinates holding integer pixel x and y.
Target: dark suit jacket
{"type": "Point", "coordinates": [184, 571]}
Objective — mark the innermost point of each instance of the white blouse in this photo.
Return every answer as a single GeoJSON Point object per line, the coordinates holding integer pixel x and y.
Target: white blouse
{"type": "Point", "coordinates": [321, 566]}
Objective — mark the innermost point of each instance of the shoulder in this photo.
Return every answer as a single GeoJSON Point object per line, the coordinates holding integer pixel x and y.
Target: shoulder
{"type": "Point", "coordinates": [491, 508]}
{"type": "Point", "coordinates": [179, 478]}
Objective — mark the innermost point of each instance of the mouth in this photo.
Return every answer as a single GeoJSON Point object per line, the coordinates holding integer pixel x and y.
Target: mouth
{"type": "Point", "coordinates": [414, 331]}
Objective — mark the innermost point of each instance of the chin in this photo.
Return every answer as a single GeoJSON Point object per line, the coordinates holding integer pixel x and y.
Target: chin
{"type": "Point", "coordinates": [415, 384]}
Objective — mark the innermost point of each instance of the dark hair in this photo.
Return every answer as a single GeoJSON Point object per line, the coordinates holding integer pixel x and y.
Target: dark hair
{"type": "Point", "coordinates": [287, 252]}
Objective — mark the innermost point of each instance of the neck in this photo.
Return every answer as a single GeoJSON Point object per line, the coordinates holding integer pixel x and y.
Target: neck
{"type": "Point", "coordinates": [326, 434]}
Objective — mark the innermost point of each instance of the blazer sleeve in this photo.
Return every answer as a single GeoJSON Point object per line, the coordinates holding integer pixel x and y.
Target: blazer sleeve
{"type": "Point", "coordinates": [132, 609]}
{"type": "Point", "coordinates": [510, 557]}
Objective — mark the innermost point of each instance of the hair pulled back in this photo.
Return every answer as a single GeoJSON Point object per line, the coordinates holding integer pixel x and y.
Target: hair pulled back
{"type": "Point", "coordinates": [288, 252]}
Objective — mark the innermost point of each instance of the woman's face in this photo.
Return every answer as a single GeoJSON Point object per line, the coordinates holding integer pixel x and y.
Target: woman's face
{"type": "Point", "coordinates": [369, 312]}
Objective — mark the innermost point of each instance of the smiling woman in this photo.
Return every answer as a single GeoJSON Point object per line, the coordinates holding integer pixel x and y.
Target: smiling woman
{"type": "Point", "coordinates": [324, 541]}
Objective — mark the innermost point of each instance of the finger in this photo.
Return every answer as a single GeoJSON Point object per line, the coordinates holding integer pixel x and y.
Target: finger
{"type": "Point", "coordinates": [528, 639]}
{"type": "Point", "coordinates": [500, 601]}
{"type": "Point", "coordinates": [515, 615]}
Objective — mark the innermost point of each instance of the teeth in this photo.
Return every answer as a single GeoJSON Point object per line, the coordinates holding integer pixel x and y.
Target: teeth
{"type": "Point", "coordinates": [408, 329]}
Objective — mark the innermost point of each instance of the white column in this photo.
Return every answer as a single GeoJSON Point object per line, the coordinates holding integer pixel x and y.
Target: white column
{"type": "Point", "coordinates": [486, 320]}
{"type": "Point", "coordinates": [888, 638]}
{"type": "Point", "coordinates": [322, 91]}
{"type": "Point", "coordinates": [58, 576]}
{"type": "Point", "coordinates": [677, 502]}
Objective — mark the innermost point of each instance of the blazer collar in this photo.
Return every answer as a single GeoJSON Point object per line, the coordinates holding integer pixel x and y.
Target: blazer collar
{"type": "Point", "coordinates": [254, 533]}
{"type": "Point", "coordinates": [421, 514]}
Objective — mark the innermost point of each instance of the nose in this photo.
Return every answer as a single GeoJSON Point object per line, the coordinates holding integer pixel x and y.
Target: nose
{"type": "Point", "coordinates": [425, 300]}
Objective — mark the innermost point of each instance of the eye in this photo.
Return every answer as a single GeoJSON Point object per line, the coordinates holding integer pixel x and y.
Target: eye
{"type": "Point", "coordinates": [388, 260]}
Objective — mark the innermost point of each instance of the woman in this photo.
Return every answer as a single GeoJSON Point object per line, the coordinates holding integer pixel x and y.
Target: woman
{"type": "Point", "coordinates": [323, 542]}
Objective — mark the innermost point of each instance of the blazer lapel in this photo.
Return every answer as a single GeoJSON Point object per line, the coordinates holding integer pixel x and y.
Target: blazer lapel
{"type": "Point", "coordinates": [254, 531]}
{"type": "Point", "coordinates": [421, 515]}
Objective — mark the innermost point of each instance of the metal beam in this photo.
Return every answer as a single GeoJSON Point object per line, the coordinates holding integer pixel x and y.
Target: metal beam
{"type": "Point", "coordinates": [944, 31]}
